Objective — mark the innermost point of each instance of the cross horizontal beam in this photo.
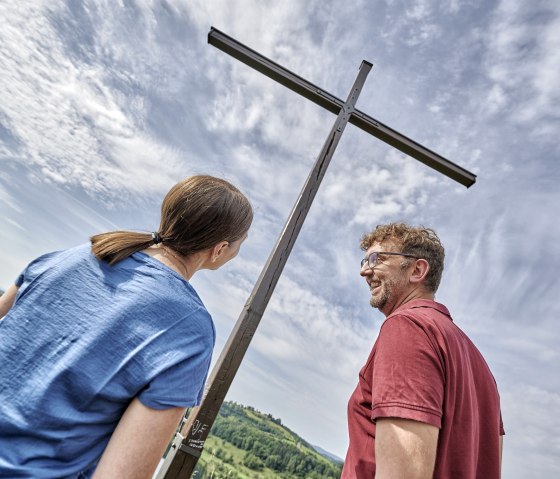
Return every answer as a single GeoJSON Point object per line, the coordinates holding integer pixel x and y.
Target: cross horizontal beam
{"type": "Point", "coordinates": [333, 104]}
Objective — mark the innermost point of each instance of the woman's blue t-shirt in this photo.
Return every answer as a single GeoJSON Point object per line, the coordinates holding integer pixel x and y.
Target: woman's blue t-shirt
{"type": "Point", "coordinates": [82, 340]}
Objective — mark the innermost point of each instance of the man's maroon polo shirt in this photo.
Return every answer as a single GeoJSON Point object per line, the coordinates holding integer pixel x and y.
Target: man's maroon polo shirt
{"type": "Point", "coordinates": [423, 367]}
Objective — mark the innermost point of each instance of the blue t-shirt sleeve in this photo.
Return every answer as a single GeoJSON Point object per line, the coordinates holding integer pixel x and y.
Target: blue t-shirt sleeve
{"type": "Point", "coordinates": [180, 382]}
{"type": "Point", "coordinates": [36, 267]}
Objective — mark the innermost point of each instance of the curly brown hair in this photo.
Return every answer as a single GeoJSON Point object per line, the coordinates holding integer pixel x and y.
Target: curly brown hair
{"type": "Point", "coordinates": [418, 241]}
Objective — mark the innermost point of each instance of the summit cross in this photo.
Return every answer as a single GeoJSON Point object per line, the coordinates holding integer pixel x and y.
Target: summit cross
{"type": "Point", "coordinates": [188, 444]}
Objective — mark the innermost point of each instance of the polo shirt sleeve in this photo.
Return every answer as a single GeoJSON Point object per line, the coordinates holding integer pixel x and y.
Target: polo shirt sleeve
{"type": "Point", "coordinates": [408, 373]}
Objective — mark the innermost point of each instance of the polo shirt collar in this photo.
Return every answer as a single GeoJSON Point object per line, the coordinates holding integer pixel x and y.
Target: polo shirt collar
{"type": "Point", "coordinates": [422, 303]}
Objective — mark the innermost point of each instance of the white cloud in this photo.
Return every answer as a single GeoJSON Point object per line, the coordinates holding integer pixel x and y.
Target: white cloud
{"type": "Point", "coordinates": [14, 224]}
{"type": "Point", "coordinates": [8, 200]}
{"type": "Point", "coordinates": [523, 60]}
{"type": "Point", "coordinates": [303, 327]}
{"type": "Point", "coordinates": [74, 123]}
{"type": "Point", "coordinates": [536, 436]}
{"type": "Point", "coordinates": [393, 187]}
{"type": "Point", "coordinates": [419, 10]}
{"type": "Point", "coordinates": [496, 100]}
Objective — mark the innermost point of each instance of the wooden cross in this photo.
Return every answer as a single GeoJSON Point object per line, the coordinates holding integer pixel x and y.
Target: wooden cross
{"type": "Point", "coordinates": [185, 451]}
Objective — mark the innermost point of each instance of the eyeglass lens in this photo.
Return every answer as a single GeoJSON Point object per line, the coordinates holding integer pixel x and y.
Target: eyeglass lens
{"type": "Point", "coordinates": [370, 260]}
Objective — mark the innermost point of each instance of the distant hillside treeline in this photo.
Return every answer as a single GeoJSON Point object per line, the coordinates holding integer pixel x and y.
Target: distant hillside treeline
{"type": "Point", "coordinates": [247, 444]}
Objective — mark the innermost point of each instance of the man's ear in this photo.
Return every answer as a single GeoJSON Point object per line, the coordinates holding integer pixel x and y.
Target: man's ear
{"type": "Point", "coordinates": [419, 271]}
{"type": "Point", "coordinates": [218, 250]}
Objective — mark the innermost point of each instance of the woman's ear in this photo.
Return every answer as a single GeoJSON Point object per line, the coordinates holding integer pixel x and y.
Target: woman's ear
{"type": "Point", "coordinates": [218, 250]}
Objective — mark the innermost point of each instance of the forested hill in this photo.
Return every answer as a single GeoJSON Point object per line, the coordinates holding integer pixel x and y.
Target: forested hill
{"type": "Point", "coordinates": [247, 444]}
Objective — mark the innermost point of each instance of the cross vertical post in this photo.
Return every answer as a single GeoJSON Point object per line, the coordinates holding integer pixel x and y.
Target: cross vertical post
{"type": "Point", "coordinates": [201, 418]}
{"type": "Point", "coordinates": [186, 450]}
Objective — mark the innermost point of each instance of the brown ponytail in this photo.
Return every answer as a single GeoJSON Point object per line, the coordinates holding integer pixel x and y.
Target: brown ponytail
{"type": "Point", "coordinates": [118, 245]}
{"type": "Point", "coordinates": [196, 214]}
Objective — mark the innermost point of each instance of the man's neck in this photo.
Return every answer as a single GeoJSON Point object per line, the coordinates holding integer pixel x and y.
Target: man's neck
{"type": "Point", "coordinates": [416, 293]}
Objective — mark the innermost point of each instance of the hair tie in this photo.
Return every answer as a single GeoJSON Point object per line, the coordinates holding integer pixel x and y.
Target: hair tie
{"type": "Point", "coordinates": [156, 238]}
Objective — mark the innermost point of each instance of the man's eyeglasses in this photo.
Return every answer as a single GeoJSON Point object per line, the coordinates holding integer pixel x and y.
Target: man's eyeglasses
{"type": "Point", "coordinates": [371, 259]}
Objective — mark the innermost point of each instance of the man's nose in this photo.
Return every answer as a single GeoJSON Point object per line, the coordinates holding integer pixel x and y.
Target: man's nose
{"type": "Point", "coordinates": [366, 270]}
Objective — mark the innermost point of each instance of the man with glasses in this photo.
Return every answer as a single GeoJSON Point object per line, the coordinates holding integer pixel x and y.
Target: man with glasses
{"type": "Point", "coordinates": [426, 404]}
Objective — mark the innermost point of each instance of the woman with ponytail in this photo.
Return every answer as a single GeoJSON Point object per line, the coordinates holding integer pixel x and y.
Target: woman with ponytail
{"type": "Point", "coordinates": [103, 346]}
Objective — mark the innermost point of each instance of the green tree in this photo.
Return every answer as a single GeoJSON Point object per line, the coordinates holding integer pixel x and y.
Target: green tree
{"type": "Point", "coordinates": [253, 462]}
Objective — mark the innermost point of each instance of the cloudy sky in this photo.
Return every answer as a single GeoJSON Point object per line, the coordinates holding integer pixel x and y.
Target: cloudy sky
{"type": "Point", "coordinates": [104, 105]}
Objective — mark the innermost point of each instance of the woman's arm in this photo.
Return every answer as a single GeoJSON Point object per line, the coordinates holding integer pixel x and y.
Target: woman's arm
{"type": "Point", "coordinates": [7, 300]}
{"type": "Point", "coordinates": [138, 443]}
